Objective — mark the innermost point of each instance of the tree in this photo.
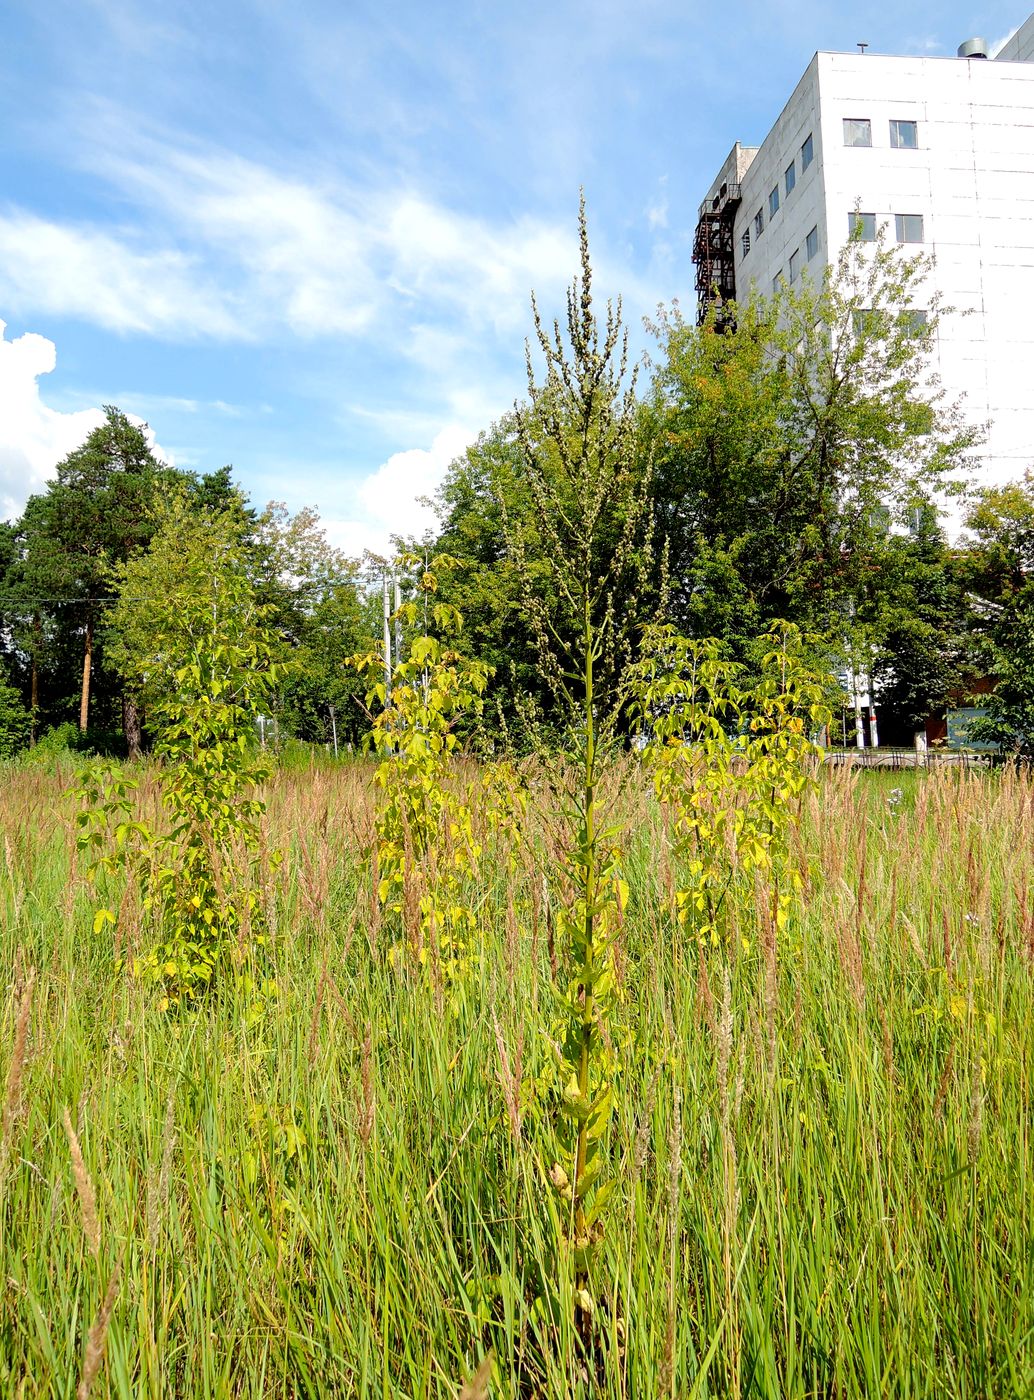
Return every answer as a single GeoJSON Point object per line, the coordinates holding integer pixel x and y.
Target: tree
{"type": "Point", "coordinates": [787, 441]}
{"type": "Point", "coordinates": [312, 592]}
{"type": "Point", "coordinates": [482, 503]}
{"type": "Point", "coordinates": [998, 564]}
{"type": "Point", "coordinates": [94, 514]}
{"type": "Point", "coordinates": [916, 608]}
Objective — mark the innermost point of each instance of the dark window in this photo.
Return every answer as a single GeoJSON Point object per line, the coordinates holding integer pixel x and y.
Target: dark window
{"type": "Point", "coordinates": [773, 203]}
{"type": "Point", "coordinates": [759, 223]}
{"type": "Point", "coordinates": [913, 322]}
{"type": "Point", "coordinates": [857, 131]}
{"type": "Point", "coordinates": [807, 153]}
{"type": "Point", "coordinates": [745, 241]}
{"type": "Point", "coordinates": [862, 226]}
{"type": "Point", "coordinates": [795, 264]}
{"type": "Point", "coordinates": [904, 136]}
{"type": "Point", "coordinates": [909, 228]}
{"type": "Point", "coordinates": [776, 280]}
{"type": "Point", "coordinates": [865, 322]}
{"type": "Point", "coordinates": [791, 176]}
{"type": "Point", "coordinates": [811, 243]}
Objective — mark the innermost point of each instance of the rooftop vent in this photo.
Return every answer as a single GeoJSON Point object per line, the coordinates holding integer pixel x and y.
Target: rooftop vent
{"type": "Point", "coordinates": [973, 48]}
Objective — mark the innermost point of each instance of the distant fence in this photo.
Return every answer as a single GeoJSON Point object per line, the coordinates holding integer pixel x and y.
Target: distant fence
{"type": "Point", "coordinates": [905, 758]}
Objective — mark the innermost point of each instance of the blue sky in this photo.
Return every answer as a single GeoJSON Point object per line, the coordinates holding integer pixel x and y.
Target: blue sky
{"type": "Point", "coordinates": [301, 238]}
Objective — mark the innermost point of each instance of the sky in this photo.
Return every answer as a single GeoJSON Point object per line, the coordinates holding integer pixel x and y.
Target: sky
{"type": "Point", "coordinates": [301, 238]}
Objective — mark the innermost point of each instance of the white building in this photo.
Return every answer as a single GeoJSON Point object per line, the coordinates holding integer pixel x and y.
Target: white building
{"type": "Point", "coordinates": [941, 150]}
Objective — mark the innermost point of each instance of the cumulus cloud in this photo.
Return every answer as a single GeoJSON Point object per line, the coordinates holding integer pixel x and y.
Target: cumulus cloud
{"type": "Point", "coordinates": [33, 437]}
{"type": "Point", "coordinates": [393, 499]}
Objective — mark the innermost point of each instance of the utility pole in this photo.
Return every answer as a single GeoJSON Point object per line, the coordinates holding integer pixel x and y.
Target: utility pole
{"type": "Point", "coordinates": [333, 727]}
{"type": "Point", "coordinates": [398, 620]}
{"type": "Point", "coordinates": [859, 723]}
{"type": "Point", "coordinates": [388, 639]}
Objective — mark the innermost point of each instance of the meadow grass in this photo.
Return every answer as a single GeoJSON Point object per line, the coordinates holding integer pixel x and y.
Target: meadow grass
{"type": "Point", "coordinates": [823, 1157]}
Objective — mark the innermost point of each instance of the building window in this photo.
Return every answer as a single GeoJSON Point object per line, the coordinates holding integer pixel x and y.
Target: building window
{"type": "Point", "coordinates": [857, 131]}
{"type": "Point", "coordinates": [909, 228]}
{"type": "Point", "coordinates": [866, 322]}
{"type": "Point", "coordinates": [807, 153]}
{"type": "Point", "coordinates": [862, 226]}
{"type": "Point", "coordinates": [913, 322]}
{"type": "Point", "coordinates": [811, 243]}
{"type": "Point", "coordinates": [795, 264]}
{"type": "Point", "coordinates": [773, 203]}
{"type": "Point", "coordinates": [904, 136]}
{"type": "Point", "coordinates": [745, 241]}
{"type": "Point", "coordinates": [791, 176]}
{"type": "Point", "coordinates": [776, 281]}
{"type": "Point", "coordinates": [759, 223]}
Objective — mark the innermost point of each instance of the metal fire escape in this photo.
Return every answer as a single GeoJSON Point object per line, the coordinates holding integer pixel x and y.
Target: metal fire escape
{"type": "Point", "coordinates": [713, 252]}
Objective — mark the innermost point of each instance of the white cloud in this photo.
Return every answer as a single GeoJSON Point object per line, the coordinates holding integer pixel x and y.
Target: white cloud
{"type": "Point", "coordinates": [33, 437]}
{"type": "Point", "coordinates": [657, 209]}
{"type": "Point", "coordinates": [228, 248]}
{"type": "Point", "coordinates": [999, 44]}
{"type": "Point", "coordinates": [389, 498]}
{"type": "Point", "coordinates": [99, 277]}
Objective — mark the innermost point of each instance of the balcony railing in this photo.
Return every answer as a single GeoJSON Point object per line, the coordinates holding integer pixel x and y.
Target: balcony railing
{"type": "Point", "coordinates": [728, 194]}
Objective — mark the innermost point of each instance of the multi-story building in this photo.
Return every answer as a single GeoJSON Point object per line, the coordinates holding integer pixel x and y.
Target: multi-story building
{"type": "Point", "coordinates": [941, 152]}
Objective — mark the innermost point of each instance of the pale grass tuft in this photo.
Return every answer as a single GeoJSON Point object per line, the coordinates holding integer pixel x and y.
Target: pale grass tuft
{"type": "Point", "coordinates": [477, 1387]}
{"type": "Point", "coordinates": [976, 1113]}
{"type": "Point", "coordinates": [510, 1076]}
{"type": "Point", "coordinates": [158, 1191]}
{"type": "Point", "coordinates": [98, 1337]}
{"type": "Point", "coordinates": [84, 1189]}
{"type": "Point", "coordinates": [368, 1116]}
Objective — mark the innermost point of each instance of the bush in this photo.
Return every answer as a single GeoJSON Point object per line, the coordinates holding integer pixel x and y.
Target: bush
{"type": "Point", "coordinates": [66, 738]}
{"type": "Point", "coordinates": [15, 725]}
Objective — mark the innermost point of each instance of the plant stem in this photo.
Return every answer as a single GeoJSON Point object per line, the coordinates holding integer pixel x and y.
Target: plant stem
{"type": "Point", "coordinates": [588, 842]}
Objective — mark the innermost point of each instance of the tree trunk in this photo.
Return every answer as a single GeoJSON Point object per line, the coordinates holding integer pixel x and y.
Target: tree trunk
{"type": "Point", "coordinates": [84, 704]}
{"type": "Point", "coordinates": [131, 727]}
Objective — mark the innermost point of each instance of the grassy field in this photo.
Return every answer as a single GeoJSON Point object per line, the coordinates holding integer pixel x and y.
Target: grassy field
{"type": "Point", "coordinates": [823, 1174]}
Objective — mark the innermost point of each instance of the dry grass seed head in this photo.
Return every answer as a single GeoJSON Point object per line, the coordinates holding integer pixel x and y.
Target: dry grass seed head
{"type": "Point", "coordinates": [98, 1336]}
{"type": "Point", "coordinates": [84, 1189]}
{"type": "Point", "coordinates": [12, 1100]}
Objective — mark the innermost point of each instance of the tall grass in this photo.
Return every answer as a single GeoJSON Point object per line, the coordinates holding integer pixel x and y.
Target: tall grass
{"type": "Point", "coordinates": [824, 1160]}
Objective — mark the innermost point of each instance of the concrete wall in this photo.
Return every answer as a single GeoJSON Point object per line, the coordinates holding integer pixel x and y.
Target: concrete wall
{"type": "Point", "coordinates": [799, 211]}
{"type": "Point", "coordinates": [972, 180]}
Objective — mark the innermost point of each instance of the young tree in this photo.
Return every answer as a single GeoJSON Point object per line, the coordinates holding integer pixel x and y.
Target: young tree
{"type": "Point", "coordinates": [582, 591]}
{"type": "Point", "coordinates": [193, 642]}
